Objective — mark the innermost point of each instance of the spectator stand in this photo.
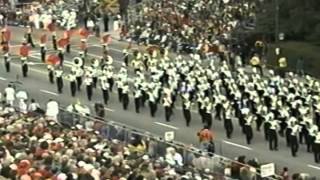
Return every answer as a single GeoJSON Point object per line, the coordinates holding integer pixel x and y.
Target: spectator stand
{"type": "Point", "coordinates": [142, 142]}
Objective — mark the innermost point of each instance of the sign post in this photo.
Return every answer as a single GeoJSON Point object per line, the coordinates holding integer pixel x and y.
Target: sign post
{"type": "Point", "coordinates": [169, 136]}
{"type": "Point", "coordinates": [267, 170]}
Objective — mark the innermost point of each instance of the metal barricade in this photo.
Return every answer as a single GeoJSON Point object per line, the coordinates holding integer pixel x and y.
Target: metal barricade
{"type": "Point", "coordinates": [156, 147]}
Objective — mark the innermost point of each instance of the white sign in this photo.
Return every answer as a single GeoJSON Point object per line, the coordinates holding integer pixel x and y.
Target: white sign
{"type": "Point", "coordinates": [169, 136]}
{"type": "Point", "coordinates": [267, 170]}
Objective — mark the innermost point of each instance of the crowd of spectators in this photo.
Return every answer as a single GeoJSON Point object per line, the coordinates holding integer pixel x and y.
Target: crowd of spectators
{"type": "Point", "coordinates": [185, 25]}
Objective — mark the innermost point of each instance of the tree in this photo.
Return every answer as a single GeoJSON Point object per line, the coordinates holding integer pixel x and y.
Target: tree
{"type": "Point", "coordinates": [299, 20]}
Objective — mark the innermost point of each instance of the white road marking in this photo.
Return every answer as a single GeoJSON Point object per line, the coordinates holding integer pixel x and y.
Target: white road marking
{"type": "Point", "coordinates": [237, 145]}
{"type": "Point", "coordinates": [3, 79]}
{"type": "Point", "coordinates": [312, 166]}
{"type": "Point", "coordinates": [111, 110]}
{"type": "Point", "coordinates": [166, 125]}
{"type": "Point", "coordinates": [49, 92]}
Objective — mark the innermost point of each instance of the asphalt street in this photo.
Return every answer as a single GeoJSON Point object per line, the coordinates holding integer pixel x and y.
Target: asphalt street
{"type": "Point", "coordinates": [38, 87]}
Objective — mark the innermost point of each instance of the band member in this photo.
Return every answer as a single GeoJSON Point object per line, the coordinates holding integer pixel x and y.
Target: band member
{"type": "Point", "coordinates": [248, 128]}
{"type": "Point", "coordinates": [61, 44]}
{"type": "Point", "coordinates": [43, 50]}
{"type": "Point", "coordinates": [58, 74]}
{"type": "Point", "coordinates": [94, 69]}
{"type": "Point", "coordinates": [152, 102]}
{"type": "Point", "coordinates": [273, 137]}
{"type": "Point", "coordinates": [83, 47]}
{"type": "Point", "coordinates": [25, 69]}
{"type": "Point", "coordinates": [137, 97]}
{"type": "Point", "coordinates": [312, 133]}
{"type": "Point", "coordinates": [51, 73]}
{"type": "Point", "coordinates": [24, 53]}
{"type": "Point", "coordinates": [125, 95]}
{"type": "Point", "coordinates": [29, 37]}
{"type": "Point", "coordinates": [126, 56]}
{"type": "Point", "coordinates": [67, 36]}
{"type": "Point", "coordinates": [228, 125]}
{"type": "Point", "coordinates": [106, 40]}
{"type": "Point", "coordinates": [79, 74]}
{"type": "Point", "coordinates": [294, 139]}
{"type": "Point", "coordinates": [52, 28]}
{"type": "Point", "coordinates": [84, 33]}
{"type": "Point", "coordinates": [73, 83]}
{"type": "Point", "coordinates": [316, 148]}
{"type": "Point", "coordinates": [167, 102]}
{"type": "Point", "coordinates": [186, 110]}
{"type": "Point", "coordinates": [105, 88]}
{"type": "Point", "coordinates": [7, 60]}
{"type": "Point", "coordinates": [88, 83]}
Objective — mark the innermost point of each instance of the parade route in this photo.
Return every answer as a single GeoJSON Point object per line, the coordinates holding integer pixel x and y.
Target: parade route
{"type": "Point", "coordinates": [39, 88]}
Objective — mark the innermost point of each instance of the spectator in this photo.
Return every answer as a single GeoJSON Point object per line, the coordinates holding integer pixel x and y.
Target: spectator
{"type": "Point", "coordinates": [10, 95]}
{"type": "Point", "coordinates": [173, 158]}
{"type": "Point", "coordinates": [52, 110]}
{"type": "Point", "coordinates": [285, 174]}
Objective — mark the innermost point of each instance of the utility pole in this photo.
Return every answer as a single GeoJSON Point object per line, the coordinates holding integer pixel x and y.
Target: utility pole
{"type": "Point", "coordinates": [276, 20]}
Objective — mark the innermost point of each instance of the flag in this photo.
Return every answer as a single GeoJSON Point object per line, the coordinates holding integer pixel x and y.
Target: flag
{"type": "Point", "coordinates": [63, 42]}
{"type": "Point", "coordinates": [51, 27]}
{"type": "Point", "coordinates": [84, 33]}
{"type": "Point", "coordinates": [24, 50]}
{"type": "Point", "coordinates": [6, 34]}
{"type": "Point", "coordinates": [53, 59]}
{"type": "Point", "coordinates": [43, 39]}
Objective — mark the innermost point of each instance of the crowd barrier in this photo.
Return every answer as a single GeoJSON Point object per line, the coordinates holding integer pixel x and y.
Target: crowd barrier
{"type": "Point", "coordinates": [220, 166]}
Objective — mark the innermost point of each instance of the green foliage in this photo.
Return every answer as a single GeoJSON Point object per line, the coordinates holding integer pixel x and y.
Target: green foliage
{"type": "Point", "coordinates": [298, 19]}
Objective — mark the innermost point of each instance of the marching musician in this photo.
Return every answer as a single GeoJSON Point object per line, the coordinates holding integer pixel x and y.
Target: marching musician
{"type": "Point", "coordinates": [67, 37]}
{"type": "Point", "coordinates": [272, 135]}
{"type": "Point", "coordinates": [186, 106]}
{"type": "Point", "coordinates": [316, 148]}
{"type": "Point", "coordinates": [52, 28]}
{"type": "Point", "coordinates": [73, 83]}
{"type": "Point", "coordinates": [51, 73]}
{"type": "Point", "coordinates": [228, 125]}
{"type": "Point", "coordinates": [108, 71]}
{"type": "Point", "coordinates": [125, 95]}
{"type": "Point", "coordinates": [105, 88]}
{"type": "Point", "coordinates": [167, 103]}
{"type": "Point", "coordinates": [125, 56]}
{"type": "Point", "coordinates": [61, 48]}
{"type": "Point", "coordinates": [137, 96]}
{"type": "Point", "coordinates": [312, 133]}
{"type": "Point", "coordinates": [6, 57]}
{"type": "Point", "coordinates": [78, 63]}
{"type": "Point", "coordinates": [59, 79]}
{"type": "Point", "coordinates": [25, 69]}
{"type": "Point", "coordinates": [94, 69]}
{"type": "Point", "coordinates": [43, 49]}
{"type": "Point", "coordinates": [88, 82]}
{"type": "Point", "coordinates": [248, 128]}
{"type": "Point", "coordinates": [24, 52]}
{"type": "Point", "coordinates": [29, 37]}
{"type": "Point", "coordinates": [84, 33]}
{"type": "Point", "coordinates": [294, 139]}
